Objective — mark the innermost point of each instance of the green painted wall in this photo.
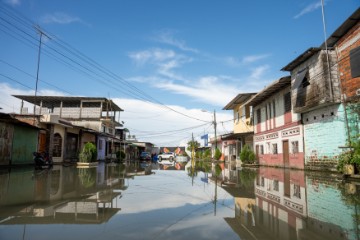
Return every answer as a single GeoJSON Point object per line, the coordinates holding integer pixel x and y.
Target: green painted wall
{"type": "Point", "coordinates": [24, 144]}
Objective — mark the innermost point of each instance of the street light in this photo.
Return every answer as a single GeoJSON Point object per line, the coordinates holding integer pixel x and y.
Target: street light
{"type": "Point", "coordinates": [214, 122]}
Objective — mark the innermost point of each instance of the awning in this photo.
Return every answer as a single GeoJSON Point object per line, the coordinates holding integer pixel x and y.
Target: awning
{"type": "Point", "coordinates": [234, 136]}
{"type": "Point", "coordinates": [299, 77]}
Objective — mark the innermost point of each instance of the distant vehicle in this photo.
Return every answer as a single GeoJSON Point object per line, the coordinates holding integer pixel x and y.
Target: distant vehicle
{"type": "Point", "coordinates": [145, 156]}
{"type": "Point", "coordinates": [167, 156]}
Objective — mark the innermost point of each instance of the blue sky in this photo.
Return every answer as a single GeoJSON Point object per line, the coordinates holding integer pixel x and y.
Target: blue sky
{"type": "Point", "coordinates": [189, 55]}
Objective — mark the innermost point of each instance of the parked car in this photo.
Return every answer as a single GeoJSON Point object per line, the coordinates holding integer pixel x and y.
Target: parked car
{"type": "Point", "coordinates": [145, 156]}
{"type": "Point", "coordinates": [167, 156]}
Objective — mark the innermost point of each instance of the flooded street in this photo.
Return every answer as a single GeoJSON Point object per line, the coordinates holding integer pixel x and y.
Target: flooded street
{"type": "Point", "coordinates": [152, 201]}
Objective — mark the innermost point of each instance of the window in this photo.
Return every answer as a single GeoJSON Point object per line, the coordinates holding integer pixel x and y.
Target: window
{"type": "Point", "coordinates": [258, 116]}
{"type": "Point", "coordinates": [101, 142]}
{"type": "Point", "coordinates": [274, 148]}
{"type": "Point", "coordinates": [276, 185]}
{"type": "Point", "coordinates": [305, 82]}
{"type": "Point", "coordinates": [297, 192]}
{"type": "Point", "coordinates": [274, 112]}
{"type": "Point", "coordinates": [355, 62]}
{"type": "Point", "coordinates": [287, 102]}
{"type": "Point", "coordinates": [261, 149]}
{"type": "Point", "coordinates": [262, 183]}
{"type": "Point", "coordinates": [294, 147]}
{"type": "Point", "coordinates": [57, 145]}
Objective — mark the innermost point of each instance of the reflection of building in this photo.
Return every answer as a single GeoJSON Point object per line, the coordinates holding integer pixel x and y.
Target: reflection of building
{"type": "Point", "coordinates": [272, 208]}
{"type": "Point", "coordinates": [65, 194]}
{"type": "Point", "coordinates": [281, 201]}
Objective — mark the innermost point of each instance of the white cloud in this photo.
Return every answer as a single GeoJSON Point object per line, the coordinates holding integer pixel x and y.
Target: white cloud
{"type": "Point", "coordinates": [8, 103]}
{"type": "Point", "coordinates": [156, 124]}
{"type": "Point", "coordinates": [259, 71]}
{"type": "Point", "coordinates": [235, 62]}
{"type": "Point", "coordinates": [310, 8]}
{"type": "Point", "coordinates": [150, 122]}
{"type": "Point", "coordinates": [166, 36]}
{"type": "Point", "coordinates": [254, 58]}
{"type": "Point", "coordinates": [203, 90]}
{"type": "Point", "coordinates": [155, 55]}
{"type": "Point", "coordinates": [61, 18]}
{"type": "Point", "coordinates": [13, 2]}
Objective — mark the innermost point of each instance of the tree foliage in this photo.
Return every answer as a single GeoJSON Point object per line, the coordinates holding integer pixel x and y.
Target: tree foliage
{"type": "Point", "coordinates": [192, 144]}
{"type": "Point", "coordinates": [247, 155]}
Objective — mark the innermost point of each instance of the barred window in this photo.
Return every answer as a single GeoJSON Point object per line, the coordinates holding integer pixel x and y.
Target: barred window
{"type": "Point", "coordinates": [294, 147]}
{"type": "Point", "coordinates": [57, 145]}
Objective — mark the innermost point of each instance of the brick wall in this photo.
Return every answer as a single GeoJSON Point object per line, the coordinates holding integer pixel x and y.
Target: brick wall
{"type": "Point", "coordinates": [348, 42]}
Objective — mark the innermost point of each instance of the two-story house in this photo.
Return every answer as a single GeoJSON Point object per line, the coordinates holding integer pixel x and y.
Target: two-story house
{"type": "Point", "coordinates": [346, 42]}
{"type": "Point", "coordinates": [278, 133]}
{"type": "Point", "coordinates": [243, 127]}
{"type": "Point", "coordinates": [77, 120]}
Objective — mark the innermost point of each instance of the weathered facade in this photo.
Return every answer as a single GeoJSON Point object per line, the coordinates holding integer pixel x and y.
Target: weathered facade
{"type": "Point", "coordinates": [324, 90]}
{"type": "Point", "coordinates": [243, 126]}
{"type": "Point", "coordinates": [18, 141]}
{"type": "Point", "coordinates": [346, 41]}
{"type": "Point", "coordinates": [278, 132]}
{"type": "Point", "coordinates": [70, 122]}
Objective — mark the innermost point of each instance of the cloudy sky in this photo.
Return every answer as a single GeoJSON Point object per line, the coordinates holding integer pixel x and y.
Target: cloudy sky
{"type": "Point", "coordinates": [164, 62]}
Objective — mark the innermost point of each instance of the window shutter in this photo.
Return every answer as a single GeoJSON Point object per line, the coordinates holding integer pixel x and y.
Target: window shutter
{"type": "Point", "coordinates": [355, 62]}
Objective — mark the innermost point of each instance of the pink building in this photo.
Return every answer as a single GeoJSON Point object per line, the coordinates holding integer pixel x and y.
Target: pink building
{"type": "Point", "coordinates": [278, 132]}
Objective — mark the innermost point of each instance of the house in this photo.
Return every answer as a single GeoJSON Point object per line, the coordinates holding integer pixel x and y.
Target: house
{"type": "Point", "coordinates": [278, 133]}
{"type": "Point", "coordinates": [325, 81]}
{"type": "Point", "coordinates": [346, 42]}
{"type": "Point", "coordinates": [73, 121]}
{"type": "Point", "coordinates": [18, 141]}
{"type": "Point", "coordinates": [243, 126]}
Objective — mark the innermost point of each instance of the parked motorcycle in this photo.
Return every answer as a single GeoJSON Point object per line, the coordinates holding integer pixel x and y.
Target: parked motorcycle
{"type": "Point", "coordinates": [42, 160]}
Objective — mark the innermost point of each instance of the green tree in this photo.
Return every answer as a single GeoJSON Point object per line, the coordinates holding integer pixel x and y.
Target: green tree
{"type": "Point", "coordinates": [192, 144]}
{"type": "Point", "coordinates": [217, 154]}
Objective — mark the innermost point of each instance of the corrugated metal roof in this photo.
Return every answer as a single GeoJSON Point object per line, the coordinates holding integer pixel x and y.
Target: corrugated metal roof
{"type": "Point", "coordinates": [240, 98]}
{"type": "Point", "coordinates": [50, 101]}
{"type": "Point", "coordinates": [343, 29]}
{"type": "Point", "coordinates": [300, 59]}
{"type": "Point", "coordinates": [270, 90]}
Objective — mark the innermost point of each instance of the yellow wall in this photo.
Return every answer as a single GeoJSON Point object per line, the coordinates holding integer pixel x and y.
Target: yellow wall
{"type": "Point", "coordinates": [243, 124]}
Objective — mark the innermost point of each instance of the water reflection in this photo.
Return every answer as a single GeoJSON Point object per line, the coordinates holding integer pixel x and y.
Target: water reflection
{"type": "Point", "coordinates": [273, 203]}
{"type": "Point", "coordinates": [196, 200]}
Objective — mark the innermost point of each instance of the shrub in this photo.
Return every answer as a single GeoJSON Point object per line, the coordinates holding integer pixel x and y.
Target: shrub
{"type": "Point", "coordinates": [88, 153]}
{"type": "Point", "coordinates": [247, 155]}
{"type": "Point", "coordinates": [217, 154]}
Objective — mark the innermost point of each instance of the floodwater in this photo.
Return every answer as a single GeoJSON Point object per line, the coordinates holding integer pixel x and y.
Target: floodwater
{"type": "Point", "coordinates": [176, 201]}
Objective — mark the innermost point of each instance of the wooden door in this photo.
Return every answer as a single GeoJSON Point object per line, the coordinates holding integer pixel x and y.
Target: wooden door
{"type": "Point", "coordinates": [286, 153]}
{"type": "Point", "coordinates": [42, 142]}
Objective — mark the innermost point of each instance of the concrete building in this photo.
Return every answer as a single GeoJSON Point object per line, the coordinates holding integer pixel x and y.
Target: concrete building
{"type": "Point", "coordinates": [70, 122]}
{"type": "Point", "coordinates": [243, 126]}
{"type": "Point", "coordinates": [278, 132]}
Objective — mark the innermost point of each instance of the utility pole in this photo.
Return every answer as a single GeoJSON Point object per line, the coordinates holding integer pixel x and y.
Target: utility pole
{"type": "Point", "coordinates": [215, 130]}
{"type": "Point", "coordinates": [41, 33]}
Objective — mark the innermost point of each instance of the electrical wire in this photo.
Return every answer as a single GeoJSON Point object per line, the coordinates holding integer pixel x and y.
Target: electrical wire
{"type": "Point", "coordinates": [75, 53]}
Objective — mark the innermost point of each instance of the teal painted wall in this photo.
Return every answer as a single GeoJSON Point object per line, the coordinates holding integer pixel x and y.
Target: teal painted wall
{"type": "Point", "coordinates": [24, 144]}
{"type": "Point", "coordinates": [324, 132]}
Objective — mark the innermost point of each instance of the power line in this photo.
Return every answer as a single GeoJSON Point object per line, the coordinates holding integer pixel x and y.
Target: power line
{"type": "Point", "coordinates": [131, 88]}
